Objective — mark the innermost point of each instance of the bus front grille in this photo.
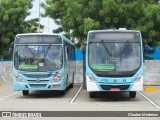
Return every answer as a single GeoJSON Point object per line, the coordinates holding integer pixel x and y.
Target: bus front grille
{"type": "Point", "coordinates": [38, 85]}
{"type": "Point", "coordinates": [37, 75]}
{"type": "Point", "coordinates": [108, 87]}
{"type": "Point", "coordinates": [38, 81]}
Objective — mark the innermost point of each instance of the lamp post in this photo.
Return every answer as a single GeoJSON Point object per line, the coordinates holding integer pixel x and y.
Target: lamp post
{"type": "Point", "coordinates": [39, 17]}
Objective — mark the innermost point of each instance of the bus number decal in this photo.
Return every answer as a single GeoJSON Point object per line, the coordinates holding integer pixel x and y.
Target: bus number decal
{"type": "Point", "coordinates": [28, 67]}
{"type": "Point", "coordinates": [104, 67]}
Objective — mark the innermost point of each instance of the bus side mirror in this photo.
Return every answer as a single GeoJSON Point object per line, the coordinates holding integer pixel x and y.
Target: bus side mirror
{"type": "Point", "coordinates": [84, 46]}
{"type": "Point", "coordinates": [10, 51]}
{"type": "Point", "coordinates": [145, 49]}
{"type": "Point", "coordinates": [11, 48]}
{"type": "Point", "coordinates": [84, 49]}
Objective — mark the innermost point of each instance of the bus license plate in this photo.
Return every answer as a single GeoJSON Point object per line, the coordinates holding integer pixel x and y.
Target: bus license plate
{"type": "Point", "coordinates": [115, 89]}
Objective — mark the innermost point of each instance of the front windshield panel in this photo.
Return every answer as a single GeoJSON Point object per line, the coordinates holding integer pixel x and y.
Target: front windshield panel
{"type": "Point", "coordinates": [38, 57]}
{"type": "Point", "coordinates": [114, 56]}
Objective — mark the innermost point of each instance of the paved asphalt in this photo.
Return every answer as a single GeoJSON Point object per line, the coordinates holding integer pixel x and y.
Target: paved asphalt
{"type": "Point", "coordinates": [53, 101]}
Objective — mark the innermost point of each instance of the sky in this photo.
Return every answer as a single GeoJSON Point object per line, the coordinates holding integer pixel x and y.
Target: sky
{"type": "Point", "coordinates": [48, 23]}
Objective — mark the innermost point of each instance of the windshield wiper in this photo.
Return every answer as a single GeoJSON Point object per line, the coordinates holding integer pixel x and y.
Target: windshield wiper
{"type": "Point", "coordinates": [106, 48]}
{"type": "Point", "coordinates": [48, 48]}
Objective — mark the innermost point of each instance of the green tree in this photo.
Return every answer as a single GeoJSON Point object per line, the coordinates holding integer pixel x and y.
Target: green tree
{"type": "Point", "coordinates": [12, 22]}
{"type": "Point", "coordinates": [80, 16]}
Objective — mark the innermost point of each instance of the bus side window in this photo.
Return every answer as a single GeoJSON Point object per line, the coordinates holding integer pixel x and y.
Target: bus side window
{"type": "Point", "coordinates": [72, 53]}
{"type": "Point", "coordinates": [66, 54]}
{"type": "Point", "coordinates": [69, 52]}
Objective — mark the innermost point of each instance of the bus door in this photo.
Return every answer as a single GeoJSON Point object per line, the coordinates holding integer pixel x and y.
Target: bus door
{"type": "Point", "coordinates": [67, 66]}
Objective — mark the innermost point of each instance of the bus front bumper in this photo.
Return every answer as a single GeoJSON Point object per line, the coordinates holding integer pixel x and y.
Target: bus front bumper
{"type": "Point", "coordinates": [108, 87]}
{"type": "Point", "coordinates": [38, 86]}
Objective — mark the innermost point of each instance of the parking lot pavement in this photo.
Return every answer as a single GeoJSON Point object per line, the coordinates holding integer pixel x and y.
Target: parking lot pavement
{"type": "Point", "coordinates": [153, 95]}
{"type": "Point", "coordinates": [52, 101]}
{"type": "Point", "coordinates": [37, 100]}
{"type": "Point", "coordinates": [115, 101]}
{"type": "Point", "coordinates": [6, 89]}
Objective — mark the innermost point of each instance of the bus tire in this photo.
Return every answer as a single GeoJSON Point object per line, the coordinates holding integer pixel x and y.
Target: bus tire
{"type": "Point", "coordinates": [25, 92]}
{"type": "Point", "coordinates": [132, 94]}
{"type": "Point", "coordinates": [92, 94]}
{"type": "Point", "coordinates": [63, 92]}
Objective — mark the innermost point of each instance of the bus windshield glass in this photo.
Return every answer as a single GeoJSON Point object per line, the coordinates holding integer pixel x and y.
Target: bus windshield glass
{"type": "Point", "coordinates": [38, 57]}
{"type": "Point", "coordinates": [118, 53]}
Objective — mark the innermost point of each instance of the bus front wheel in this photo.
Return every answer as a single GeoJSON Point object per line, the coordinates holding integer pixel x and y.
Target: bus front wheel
{"type": "Point", "coordinates": [92, 94]}
{"type": "Point", "coordinates": [25, 92]}
{"type": "Point", "coordinates": [132, 94]}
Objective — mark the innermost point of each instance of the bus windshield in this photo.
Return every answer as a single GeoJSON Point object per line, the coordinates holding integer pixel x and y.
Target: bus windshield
{"type": "Point", "coordinates": [38, 57]}
{"type": "Point", "coordinates": [114, 55]}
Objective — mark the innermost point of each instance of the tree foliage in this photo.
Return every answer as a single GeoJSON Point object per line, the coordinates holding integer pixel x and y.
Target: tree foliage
{"type": "Point", "coordinates": [80, 16]}
{"type": "Point", "coordinates": [12, 22]}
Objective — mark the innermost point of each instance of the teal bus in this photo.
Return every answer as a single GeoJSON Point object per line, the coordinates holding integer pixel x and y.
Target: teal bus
{"type": "Point", "coordinates": [113, 62]}
{"type": "Point", "coordinates": [43, 62]}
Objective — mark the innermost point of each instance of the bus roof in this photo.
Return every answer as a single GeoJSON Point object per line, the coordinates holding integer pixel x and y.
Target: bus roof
{"type": "Point", "coordinates": [37, 34]}
{"type": "Point", "coordinates": [113, 30]}
{"type": "Point", "coordinates": [63, 37]}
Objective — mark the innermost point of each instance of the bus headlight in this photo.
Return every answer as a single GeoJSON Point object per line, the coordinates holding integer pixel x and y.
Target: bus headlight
{"type": "Point", "coordinates": [57, 78]}
{"type": "Point", "coordinates": [91, 78]}
{"type": "Point", "coordinates": [138, 78]}
{"type": "Point", "coordinates": [18, 78]}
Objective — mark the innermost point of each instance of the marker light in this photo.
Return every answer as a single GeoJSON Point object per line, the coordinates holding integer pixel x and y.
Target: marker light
{"type": "Point", "coordinates": [138, 78]}
{"type": "Point", "coordinates": [91, 78]}
{"type": "Point", "coordinates": [122, 29]}
{"type": "Point", "coordinates": [56, 86]}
